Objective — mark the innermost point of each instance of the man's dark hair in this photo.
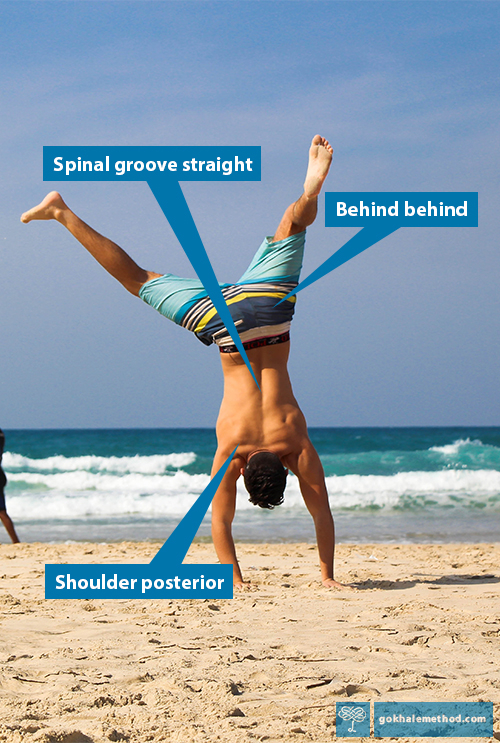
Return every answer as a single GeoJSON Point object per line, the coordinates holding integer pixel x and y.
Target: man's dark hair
{"type": "Point", "coordinates": [265, 479]}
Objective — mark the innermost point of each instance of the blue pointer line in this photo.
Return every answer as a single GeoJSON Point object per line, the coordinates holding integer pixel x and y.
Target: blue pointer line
{"type": "Point", "coordinates": [174, 206]}
{"type": "Point", "coordinates": [362, 240]}
{"type": "Point", "coordinates": [175, 548]}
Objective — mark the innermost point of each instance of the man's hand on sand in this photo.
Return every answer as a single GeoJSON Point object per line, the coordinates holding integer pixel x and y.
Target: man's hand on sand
{"type": "Point", "coordinates": [330, 583]}
{"type": "Point", "coordinates": [244, 586]}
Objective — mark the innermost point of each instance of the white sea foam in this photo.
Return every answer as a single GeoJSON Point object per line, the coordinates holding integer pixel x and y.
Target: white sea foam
{"type": "Point", "coordinates": [444, 488]}
{"type": "Point", "coordinates": [77, 494]}
{"type": "Point", "coordinates": [155, 464]}
{"type": "Point", "coordinates": [465, 445]}
{"type": "Point", "coordinates": [451, 449]}
{"type": "Point", "coordinates": [113, 484]}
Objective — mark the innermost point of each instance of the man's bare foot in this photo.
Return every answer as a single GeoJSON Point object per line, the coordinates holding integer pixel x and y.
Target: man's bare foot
{"type": "Point", "coordinates": [320, 158]}
{"type": "Point", "coordinates": [50, 208]}
{"type": "Point", "coordinates": [330, 583]}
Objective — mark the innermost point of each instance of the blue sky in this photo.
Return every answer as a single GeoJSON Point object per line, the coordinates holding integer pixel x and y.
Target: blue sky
{"type": "Point", "coordinates": [408, 94]}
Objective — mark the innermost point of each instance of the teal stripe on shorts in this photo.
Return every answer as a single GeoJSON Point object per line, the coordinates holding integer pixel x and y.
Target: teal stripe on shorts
{"type": "Point", "coordinates": [276, 261]}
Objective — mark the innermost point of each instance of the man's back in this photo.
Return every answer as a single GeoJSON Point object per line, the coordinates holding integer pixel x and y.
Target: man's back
{"type": "Point", "coordinates": [265, 418]}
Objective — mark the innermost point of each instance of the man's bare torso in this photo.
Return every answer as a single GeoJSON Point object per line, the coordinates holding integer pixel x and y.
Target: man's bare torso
{"type": "Point", "coordinates": [254, 419]}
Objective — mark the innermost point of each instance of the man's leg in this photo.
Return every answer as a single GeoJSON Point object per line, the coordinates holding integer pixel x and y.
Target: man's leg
{"type": "Point", "coordinates": [303, 212]}
{"type": "Point", "coordinates": [107, 253]}
{"type": "Point", "coordinates": [9, 526]}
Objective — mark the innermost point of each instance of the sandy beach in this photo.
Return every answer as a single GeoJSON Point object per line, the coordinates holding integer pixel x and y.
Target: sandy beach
{"type": "Point", "coordinates": [270, 664]}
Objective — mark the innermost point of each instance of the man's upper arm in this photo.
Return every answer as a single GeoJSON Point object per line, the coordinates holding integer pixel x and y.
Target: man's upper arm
{"type": "Point", "coordinates": [311, 476]}
{"type": "Point", "coordinates": [224, 502]}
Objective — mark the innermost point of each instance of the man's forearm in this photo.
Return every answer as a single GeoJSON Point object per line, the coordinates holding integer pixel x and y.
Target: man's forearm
{"type": "Point", "coordinates": [224, 546]}
{"type": "Point", "coordinates": [325, 536]}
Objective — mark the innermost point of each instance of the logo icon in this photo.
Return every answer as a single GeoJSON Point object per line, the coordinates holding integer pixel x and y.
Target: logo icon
{"type": "Point", "coordinates": [356, 714]}
{"type": "Point", "coordinates": [353, 719]}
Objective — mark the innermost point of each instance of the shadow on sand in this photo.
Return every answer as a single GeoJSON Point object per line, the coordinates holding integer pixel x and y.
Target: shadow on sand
{"type": "Point", "coordinates": [444, 580]}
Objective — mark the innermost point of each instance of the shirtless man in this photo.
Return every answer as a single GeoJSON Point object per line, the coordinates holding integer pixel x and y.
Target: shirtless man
{"type": "Point", "coordinates": [4, 516]}
{"type": "Point", "coordinates": [266, 425]}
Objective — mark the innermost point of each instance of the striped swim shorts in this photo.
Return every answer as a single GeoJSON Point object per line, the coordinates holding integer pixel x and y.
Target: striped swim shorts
{"type": "Point", "coordinates": [252, 301]}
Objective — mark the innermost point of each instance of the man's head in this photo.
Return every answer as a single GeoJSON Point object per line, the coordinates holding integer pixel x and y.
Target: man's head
{"type": "Point", "coordinates": [265, 479]}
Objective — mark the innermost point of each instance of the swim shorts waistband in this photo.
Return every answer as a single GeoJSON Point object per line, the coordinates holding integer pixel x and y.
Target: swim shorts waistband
{"type": "Point", "coordinates": [258, 343]}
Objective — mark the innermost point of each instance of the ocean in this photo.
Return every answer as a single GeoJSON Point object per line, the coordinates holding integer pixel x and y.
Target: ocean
{"type": "Point", "coordinates": [385, 485]}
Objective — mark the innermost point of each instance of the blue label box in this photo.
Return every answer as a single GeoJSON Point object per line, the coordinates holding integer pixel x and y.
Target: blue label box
{"type": "Point", "coordinates": [151, 164]}
{"type": "Point", "coordinates": [433, 719]}
{"type": "Point", "coordinates": [138, 581]}
{"type": "Point", "coordinates": [401, 209]}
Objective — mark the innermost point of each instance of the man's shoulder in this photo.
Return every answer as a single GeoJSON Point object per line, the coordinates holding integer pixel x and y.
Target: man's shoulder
{"type": "Point", "coordinates": [224, 452]}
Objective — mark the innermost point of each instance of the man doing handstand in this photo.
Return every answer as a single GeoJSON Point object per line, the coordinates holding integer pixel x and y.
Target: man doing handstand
{"type": "Point", "coordinates": [266, 425]}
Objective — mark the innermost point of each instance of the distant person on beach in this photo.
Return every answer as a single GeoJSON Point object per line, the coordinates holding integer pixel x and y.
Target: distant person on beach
{"type": "Point", "coordinates": [4, 516]}
{"type": "Point", "coordinates": [265, 424]}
